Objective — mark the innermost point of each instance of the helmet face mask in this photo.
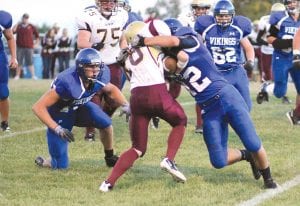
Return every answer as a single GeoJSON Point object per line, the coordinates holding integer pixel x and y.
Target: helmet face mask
{"type": "Point", "coordinates": [89, 64]}
{"type": "Point", "coordinates": [224, 12]}
{"type": "Point", "coordinates": [124, 4]}
{"type": "Point", "coordinates": [107, 7]}
{"type": "Point", "coordinates": [292, 6]}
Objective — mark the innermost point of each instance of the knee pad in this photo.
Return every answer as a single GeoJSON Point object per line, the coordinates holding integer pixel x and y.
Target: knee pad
{"type": "Point", "coordinates": [218, 157]}
{"type": "Point", "coordinates": [280, 89]}
{"type": "Point", "coordinates": [4, 92]}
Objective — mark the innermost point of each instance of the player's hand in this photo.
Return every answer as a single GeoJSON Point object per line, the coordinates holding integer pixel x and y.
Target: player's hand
{"type": "Point", "coordinates": [125, 109]}
{"type": "Point", "coordinates": [296, 61]}
{"type": "Point", "coordinates": [98, 46]}
{"type": "Point", "coordinates": [138, 41]}
{"type": "Point", "coordinates": [64, 133]}
{"type": "Point", "coordinates": [121, 58]}
{"type": "Point", "coordinates": [249, 66]}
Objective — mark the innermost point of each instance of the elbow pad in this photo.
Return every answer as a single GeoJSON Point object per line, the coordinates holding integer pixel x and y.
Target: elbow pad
{"type": "Point", "coordinates": [187, 42]}
{"type": "Point", "coordinates": [282, 43]}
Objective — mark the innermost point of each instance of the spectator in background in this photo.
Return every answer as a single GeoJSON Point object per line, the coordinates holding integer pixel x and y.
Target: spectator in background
{"type": "Point", "coordinates": [48, 46]}
{"type": "Point", "coordinates": [64, 44]}
{"type": "Point", "coordinates": [5, 29]}
{"type": "Point", "coordinates": [26, 37]}
{"type": "Point", "coordinates": [55, 53]}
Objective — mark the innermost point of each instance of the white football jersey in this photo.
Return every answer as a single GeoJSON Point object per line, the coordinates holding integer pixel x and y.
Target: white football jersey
{"type": "Point", "coordinates": [265, 25]}
{"type": "Point", "coordinates": [107, 31]}
{"type": "Point", "coordinates": [145, 67]}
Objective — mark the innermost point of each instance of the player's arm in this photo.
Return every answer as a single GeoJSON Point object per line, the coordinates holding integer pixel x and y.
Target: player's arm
{"type": "Point", "coordinates": [296, 42]}
{"type": "Point", "coordinates": [250, 55]}
{"type": "Point", "coordinates": [8, 33]}
{"type": "Point", "coordinates": [296, 50]}
{"type": "Point", "coordinates": [114, 93]}
{"type": "Point", "coordinates": [276, 42]}
{"type": "Point", "coordinates": [83, 39]}
{"type": "Point", "coordinates": [40, 108]}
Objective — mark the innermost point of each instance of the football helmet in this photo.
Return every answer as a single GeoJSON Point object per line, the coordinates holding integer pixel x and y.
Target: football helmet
{"type": "Point", "coordinates": [224, 12]}
{"type": "Point", "coordinates": [184, 31]}
{"type": "Point", "coordinates": [88, 57]}
{"type": "Point", "coordinates": [200, 7]}
{"type": "Point", "coordinates": [292, 6]}
{"type": "Point", "coordinates": [277, 7]}
{"type": "Point", "coordinates": [133, 29]}
{"type": "Point", "coordinates": [173, 24]}
{"type": "Point", "coordinates": [124, 4]}
{"type": "Point", "coordinates": [107, 7]}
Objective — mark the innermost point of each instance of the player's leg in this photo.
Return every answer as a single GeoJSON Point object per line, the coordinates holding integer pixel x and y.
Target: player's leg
{"type": "Point", "coordinates": [294, 115]}
{"type": "Point", "coordinates": [4, 92]}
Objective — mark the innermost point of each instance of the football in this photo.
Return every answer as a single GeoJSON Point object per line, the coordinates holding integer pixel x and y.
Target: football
{"type": "Point", "coordinates": [170, 64]}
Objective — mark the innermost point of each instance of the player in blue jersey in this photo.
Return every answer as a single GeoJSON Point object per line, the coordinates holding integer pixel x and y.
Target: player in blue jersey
{"type": "Point", "coordinates": [225, 36]}
{"type": "Point", "coordinates": [222, 104]}
{"type": "Point", "coordinates": [294, 115]}
{"type": "Point", "coordinates": [68, 103]}
{"type": "Point", "coordinates": [282, 30]}
{"type": "Point", "coordinates": [5, 64]}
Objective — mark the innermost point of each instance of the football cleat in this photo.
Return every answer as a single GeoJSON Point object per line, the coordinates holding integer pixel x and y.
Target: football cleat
{"type": "Point", "coordinates": [262, 97]}
{"type": "Point", "coordinates": [199, 129]}
{"type": "Point", "coordinates": [111, 161]}
{"type": "Point", "coordinates": [105, 186]}
{"type": "Point", "coordinates": [286, 100]}
{"type": "Point", "coordinates": [294, 120]}
{"type": "Point", "coordinates": [270, 184]}
{"type": "Point", "coordinates": [90, 137]}
{"type": "Point", "coordinates": [39, 161]}
{"type": "Point", "coordinates": [169, 166]}
{"type": "Point", "coordinates": [5, 127]}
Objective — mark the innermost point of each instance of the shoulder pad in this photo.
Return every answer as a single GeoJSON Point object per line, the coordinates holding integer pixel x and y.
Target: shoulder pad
{"type": "Point", "coordinates": [202, 22]}
{"type": "Point", "coordinates": [276, 17]}
{"type": "Point", "coordinates": [243, 23]}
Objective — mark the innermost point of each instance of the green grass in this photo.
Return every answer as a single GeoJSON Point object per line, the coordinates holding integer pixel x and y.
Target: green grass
{"type": "Point", "coordinates": [22, 183]}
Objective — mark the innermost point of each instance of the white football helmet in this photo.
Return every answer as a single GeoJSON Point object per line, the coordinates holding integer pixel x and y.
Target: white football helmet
{"type": "Point", "coordinates": [200, 7]}
{"type": "Point", "coordinates": [156, 27]}
{"type": "Point", "coordinates": [133, 29]}
{"type": "Point", "coordinates": [107, 7]}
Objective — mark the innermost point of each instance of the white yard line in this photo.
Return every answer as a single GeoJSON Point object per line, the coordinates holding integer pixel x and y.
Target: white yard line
{"type": "Point", "coordinates": [256, 200]}
{"type": "Point", "coordinates": [13, 134]}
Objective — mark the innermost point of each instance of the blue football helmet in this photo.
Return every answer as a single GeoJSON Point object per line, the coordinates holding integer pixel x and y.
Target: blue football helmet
{"type": "Point", "coordinates": [224, 12]}
{"type": "Point", "coordinates": [125, 5]}
{"type": "Point", "coordinates": [185, 31]}
{"type": "Point", "coordinates": [173, 24]}
{"type": "Point", "coordinates": [88, 57]}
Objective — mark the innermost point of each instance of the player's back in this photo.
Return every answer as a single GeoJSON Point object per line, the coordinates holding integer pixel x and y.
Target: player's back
{"type": "Point", "coordinates": [5, 23]}
{"type": "Point", "coordinates": [145, 66]}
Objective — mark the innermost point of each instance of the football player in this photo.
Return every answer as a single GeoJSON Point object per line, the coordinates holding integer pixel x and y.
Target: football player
{"type": "Point", "coordinates": [225, 36]}
{"type": "Point", "coordinates": [149, 98]}
{"type": "Point", "coordinates": [100, 26]}
{"type": "Point", "coordinates": [222, 104]}
{"type": "Point", "coordinates": [68, 104]}
{"type": "Point", "coordinates": [282, 30]}
{"type": "Point", "coordinates": [294, 115]}
{"type": "Point", "coordinates": [6, 31]}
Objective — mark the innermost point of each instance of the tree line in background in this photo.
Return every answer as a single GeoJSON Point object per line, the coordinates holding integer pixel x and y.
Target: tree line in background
{"type": "Point", "coordinates": [252, 9]}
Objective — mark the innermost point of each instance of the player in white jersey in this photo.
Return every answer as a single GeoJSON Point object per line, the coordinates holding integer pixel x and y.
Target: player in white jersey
{"type": "Point", "coordinates": [149, 98]}
{"type": "Point", "coordinates": [100, 26]}
{"type": "Point", "coordinates": [198, 8]}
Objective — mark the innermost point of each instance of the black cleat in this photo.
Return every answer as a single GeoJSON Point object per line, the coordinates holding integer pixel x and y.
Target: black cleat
{"type": "Point", "coordinates": [39, 161]}
{"type": "Point", "coordinates": [286, 100]}
{"type": "Point", "coordinates": [199, 129]}
{"type": "Point", "coordinates": [155, 122]}
{"type": "Point", "coordinates": [270, 184]}
{"type": "Point", "coordinates": [262, 96]}
{"type": "Point", "coordinates": [5, 127]}
{"type": "Point", "coordinates": [111, 161]}
{"type": "Point", "coordinates": [294, 120]}
{"type": "Point", "coordinates": [90, 137]}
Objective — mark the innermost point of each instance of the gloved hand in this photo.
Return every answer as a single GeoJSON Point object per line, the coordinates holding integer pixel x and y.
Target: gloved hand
{"type": "Point", "coordinates": [138, 41]}
{"type": "Point", "coordinates": [98, 46]}
{"type": "Point", "coordinates": [249, 66]}
{"type": "Point", "coordinates": [125, 109]}
{"type": "Point", "coordinates": [64, 133]}
{"type": "Point", "coordinates": [121, 58]}
{"type": "Point", "coordinates": [296, 61]}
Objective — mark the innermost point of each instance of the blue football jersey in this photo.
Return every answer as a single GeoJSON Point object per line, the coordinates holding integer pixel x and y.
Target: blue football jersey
{"type": "Point", "coordinates": [224, 43]}
{"type": "Point", "coordinates": [71, 90]}
{"type": "Point", "coordinates": [200, 75]}
{"type": "Point", "coordinates": [287, 28]}
{"type": "Point", "coordinates": [5, 23]}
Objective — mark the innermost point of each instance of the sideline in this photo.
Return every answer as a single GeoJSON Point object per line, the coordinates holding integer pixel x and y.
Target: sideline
{"type": "Point", "coordinates": [271, 193]}
{"type": "Point", "coordinates": [12, 134]}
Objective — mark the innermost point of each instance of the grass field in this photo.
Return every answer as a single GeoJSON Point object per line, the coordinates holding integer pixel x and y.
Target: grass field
{"type": "Point", "coordinates": [22, 183]}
